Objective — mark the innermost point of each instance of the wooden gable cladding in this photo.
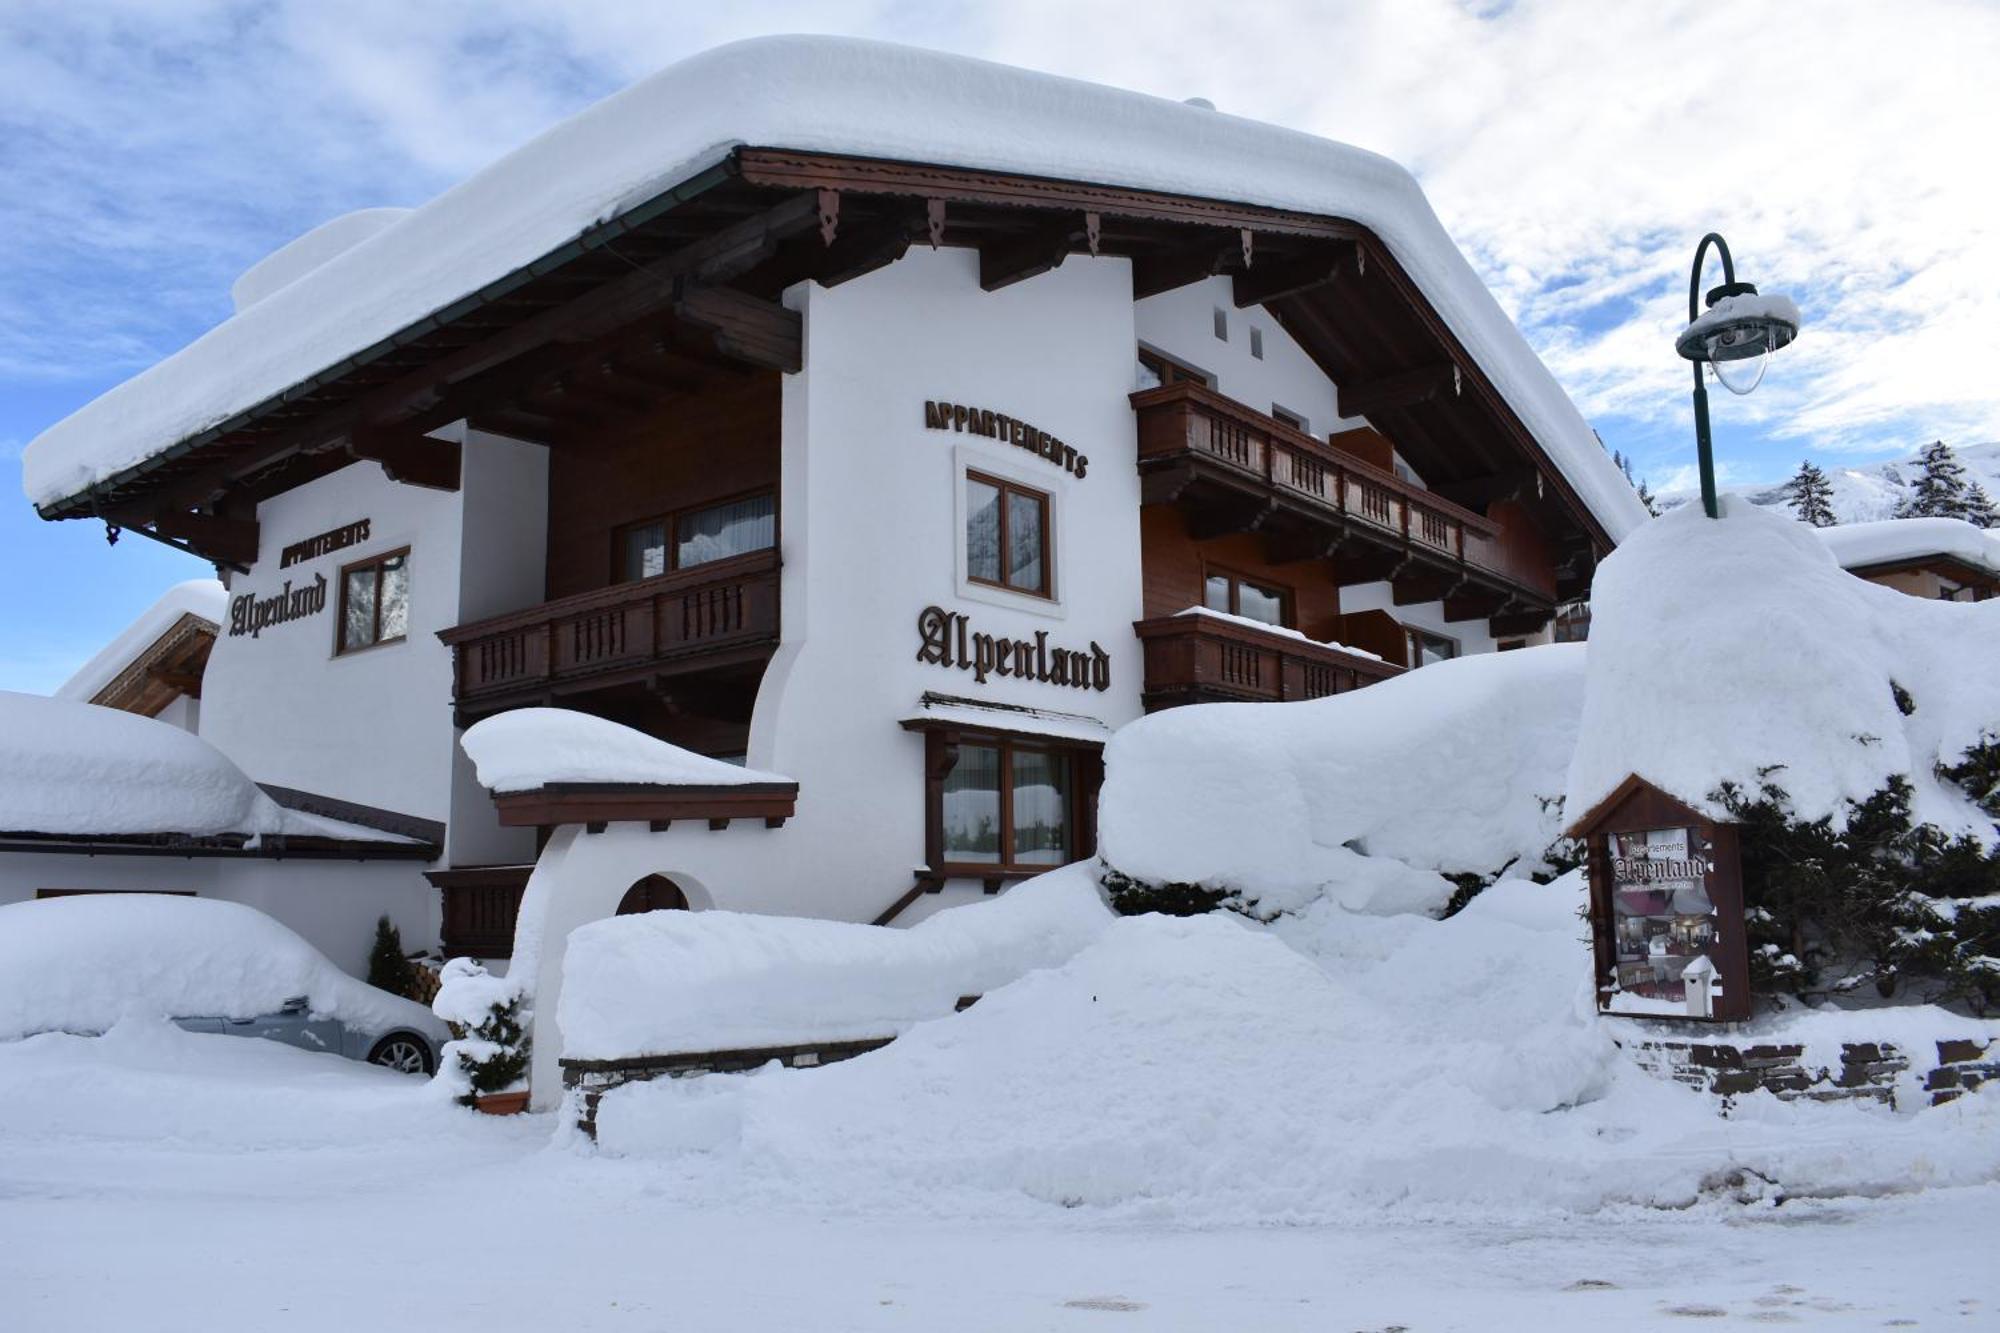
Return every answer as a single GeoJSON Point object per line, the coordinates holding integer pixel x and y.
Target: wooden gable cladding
{"type": "Point", "coordinates": [170, 667]}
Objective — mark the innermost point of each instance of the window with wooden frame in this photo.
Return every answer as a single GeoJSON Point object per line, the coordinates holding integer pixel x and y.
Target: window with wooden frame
{"type": "Point", "coordinates": [374, 602]}
{"type": "Point", "coordinates": [1004, 805]}
{"type": "Point", "coordinates": [691, 537]}
{"type": "Point", "coordinates": [1287, 417]}
{"type": "Point", "coordinates": [1426, 647]}
{"type": "Point", "coordinates": [1235, 595]}
{"type": "Point", "coordinates": [1007, 535]}
{"type": "Point", "coordinates": [1157, 368]}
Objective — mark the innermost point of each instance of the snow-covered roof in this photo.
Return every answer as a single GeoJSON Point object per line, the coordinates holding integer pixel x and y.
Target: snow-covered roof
{"type": "Point", "coordinates": [75, 770]}
{"type": "Point", "coordinates": [202, 598]}
{"type": "Point", "coordinates": [1894, 540]}
{"type": "Point", "coordinates": [529, 748]}
{"type": "Point", "coordinates": [815, 94]}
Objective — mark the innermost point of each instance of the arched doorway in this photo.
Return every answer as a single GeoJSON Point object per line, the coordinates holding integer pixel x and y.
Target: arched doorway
{"type": "Point", "coordinates": [653, 893]}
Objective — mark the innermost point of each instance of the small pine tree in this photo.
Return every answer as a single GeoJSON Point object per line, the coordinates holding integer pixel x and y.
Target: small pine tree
{"type": "Point", "coordinates": [496, 1056]}
{"type": "Point", "coordinates": [1648, 499]}
{"type": "Point", "coordinates": [1940, 491]}
{"type": "Point", "coordinates": [1811, 496]}
{"type": "Point", "coordinates": [389, 968]}
{"type": "Point", "coordinates": [1979, 509]}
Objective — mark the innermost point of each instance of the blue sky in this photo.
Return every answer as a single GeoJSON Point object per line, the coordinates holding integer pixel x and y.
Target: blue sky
{"type": "Point", "coordinates": [149, 153]}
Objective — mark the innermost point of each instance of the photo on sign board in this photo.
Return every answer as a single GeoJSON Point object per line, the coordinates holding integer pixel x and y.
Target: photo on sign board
{"type": "Point", "coordinates": [1664, 923]}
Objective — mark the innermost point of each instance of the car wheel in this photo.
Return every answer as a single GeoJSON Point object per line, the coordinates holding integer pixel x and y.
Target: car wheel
{"type": "Point", "coordinates": [403, 1053]}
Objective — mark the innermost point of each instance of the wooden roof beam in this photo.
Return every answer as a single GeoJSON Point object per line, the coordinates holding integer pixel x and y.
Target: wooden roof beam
{"type": "Point", "coordinates": [1404, 389]}
{"type": "Point", "coordinates": [226, 541]}
{"type": "Point", "coordinates": [1008, 260]}
{"type": "Point", "coordinates": [760, 333]}
{"type": "Point", "coordinates": [1273, 280]}
{"type": "Point", "coordinates": [1213, 253]}
{"type": "Point", "coordinates": [414, 460]}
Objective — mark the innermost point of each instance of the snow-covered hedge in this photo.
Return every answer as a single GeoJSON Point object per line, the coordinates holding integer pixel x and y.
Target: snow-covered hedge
{"type": "Point", "coordinates": [665, 982]}
{"type": "Point", "coordinates": [1458, 768]}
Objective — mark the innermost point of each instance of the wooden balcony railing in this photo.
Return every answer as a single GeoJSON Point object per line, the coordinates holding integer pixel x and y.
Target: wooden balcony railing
{"type": "Point", "coordinates": [709, 615]}
{"type": "Point", "coordinates": [1198, 658]}
{"type": "Point", "coordinates": [1191, 419]}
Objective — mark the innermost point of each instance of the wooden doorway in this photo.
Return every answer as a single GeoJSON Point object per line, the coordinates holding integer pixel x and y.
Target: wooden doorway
{"type": "Point", "coordinates": [654, 893]}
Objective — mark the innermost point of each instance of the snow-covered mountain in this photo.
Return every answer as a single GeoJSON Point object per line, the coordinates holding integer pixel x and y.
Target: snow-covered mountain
{"type": "Point", "coordinates": [1861, 494]}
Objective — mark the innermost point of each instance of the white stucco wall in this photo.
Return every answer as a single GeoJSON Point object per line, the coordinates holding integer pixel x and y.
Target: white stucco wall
{"type": "Point", "coordinates": [333, 905]}
{"type": "Point", "coordinates": [372, 726]}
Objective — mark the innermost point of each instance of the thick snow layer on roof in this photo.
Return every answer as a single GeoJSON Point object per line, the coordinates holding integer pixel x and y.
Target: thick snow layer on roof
{"type": "Point", "coordinates": [1892, 540]}
{"type": "Point", "coordinates": [293, 260]}
{"type": "Point", "coordinates": [1721, 647]}
{"type": "Point", "coordinates": [76, 769]}
{"type": "Point", "coordinates": [813, 94]}
{"type": "Point", "coordinates": [533, 747]}
{"type": "Point", "coordinates": [205, 598]}
{"type": "Point", "coordinates": [970, 713]}
{"type": "Point", "coordinates": [1454, 767]}
{"type": "Point", "coordinates": [667, 982]}
{"type": "Point", "coordinates": [1200, 1071]}
{"type": "Point", "coordinates": [83, 963]}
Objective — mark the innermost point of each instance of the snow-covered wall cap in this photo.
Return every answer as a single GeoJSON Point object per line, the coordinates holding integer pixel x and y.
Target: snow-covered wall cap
{"type": "Point", "coordinates": [71, 768]}
{"type": "Point", "coordinates": [814, 94]}
{"type": "Point", "coordinates": [293, 260]}
{"type": "Point", "coordinates": [203, 598]}
{"type": "Point", "coordinates": [1722, 650]}
{"type": "Point", "coordinates": [1892, 540]}
{"type": "Point", "coordinates": [529, 748]}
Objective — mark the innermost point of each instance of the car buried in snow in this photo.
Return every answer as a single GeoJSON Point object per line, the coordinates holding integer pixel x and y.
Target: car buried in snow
{"type": "Point", "coordinates": [81, 964]}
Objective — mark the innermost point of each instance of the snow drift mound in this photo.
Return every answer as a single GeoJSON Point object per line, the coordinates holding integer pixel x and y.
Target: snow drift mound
{"type": "Point", "coordinates": [1456, 767]}
{"type": "Point", "coordinates": [666, 982]}
{"type": "Point", "coordinates": [1199, 1069]}
{"type": "Point", "coordinates": [1720, 648]}
{"type": "Point", "coordinates": [80, 964]}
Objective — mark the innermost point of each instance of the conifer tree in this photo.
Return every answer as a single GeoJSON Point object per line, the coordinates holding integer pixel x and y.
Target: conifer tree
{"type": "Point", "coordinates": [1940, 491]}
{"type": "Point", "coordinates": [388, 968]}
{"type": "Point", "coordinates": [1647, 499]}
{"type": "Point", "coordinates": [1980, 510]}
{"type": "Point", "coordinates": [1811, 496]}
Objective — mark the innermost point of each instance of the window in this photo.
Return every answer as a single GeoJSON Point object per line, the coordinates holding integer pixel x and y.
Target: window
{"type": "Point", "coordinates": [1222, 324]}
{"type": "Point", "coordinates": [374, 602]}
{"type": "Point", "coordinates": [697, 537]}
{"type": "Point", "coordinates": [1426, 648]}
{"type": "Point", "coordinates": [1156, 369]}
{"type": "Point", "coordinates": [1005, 804]}
{"type": "Point", "coordinates": [1256, 342]}
{"type": "Point", "coordinates": [1241, 597]}
{"type": "Point", "coordinates": [1006, 535]}
{"type": "Point", "coordinates": [1290, 418]}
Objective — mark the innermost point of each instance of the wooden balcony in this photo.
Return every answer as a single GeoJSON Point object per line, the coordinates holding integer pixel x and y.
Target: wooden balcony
{"type": "Point", "coordinates": [1237, 470]}
{"type": "Point", "coordinates": [712, 616]}
{"type": "Point", "coordinates": [1197, 658]}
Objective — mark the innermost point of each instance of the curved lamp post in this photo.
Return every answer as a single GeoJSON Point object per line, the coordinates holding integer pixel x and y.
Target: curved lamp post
{"type": "Point", "coordinates": [1736, 335]}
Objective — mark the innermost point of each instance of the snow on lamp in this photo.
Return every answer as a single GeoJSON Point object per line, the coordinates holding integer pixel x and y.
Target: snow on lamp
{"type": "Point", "coordinates": [1735, 337]}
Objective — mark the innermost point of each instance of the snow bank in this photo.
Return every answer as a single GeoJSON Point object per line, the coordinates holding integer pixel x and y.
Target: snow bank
{"type": "Point", "coordinates": [81, 964]}
{"type": "Point", "coordinates": [816, 94]}
{"type": "Point", "coordinates": [1891, 540]}
{"type": "Point", "coordinates": [533, 747]}
{"type": "Point", "coordinates": [1201, 1071]}
{"type": "Point", "coordinates": [1454, 767]}
{"type": "Point", "coordinates": [203, 598]}
{"type": "Point", "coordinates": [1721, 647]}
{"type": "Point", "coordinates": [664, 982]}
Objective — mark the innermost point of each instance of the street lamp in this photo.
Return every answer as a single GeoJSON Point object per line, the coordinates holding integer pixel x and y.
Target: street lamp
{"type": "Point", "coordinates": [1736, 335]}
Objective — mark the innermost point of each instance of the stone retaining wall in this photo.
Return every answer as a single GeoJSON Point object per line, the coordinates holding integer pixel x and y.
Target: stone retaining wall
{"type": "Point", "coordinates": [1873, 1070]}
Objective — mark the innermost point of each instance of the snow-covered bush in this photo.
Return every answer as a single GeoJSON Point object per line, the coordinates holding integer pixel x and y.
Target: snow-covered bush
{"type": "Point", "coordinates": [1852, 731]}
{"type": "Point", "coordinates": [1395, 798]}
{"type": "Point", "coordinates": [489, 1017]}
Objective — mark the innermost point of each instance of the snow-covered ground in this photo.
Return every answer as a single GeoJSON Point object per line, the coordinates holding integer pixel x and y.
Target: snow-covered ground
{"type": "Point", "coordinates": [160, 1180]}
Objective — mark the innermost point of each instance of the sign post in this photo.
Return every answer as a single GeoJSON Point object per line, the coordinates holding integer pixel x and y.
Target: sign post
{"type": "Point", "coordinates": [1666, 908]}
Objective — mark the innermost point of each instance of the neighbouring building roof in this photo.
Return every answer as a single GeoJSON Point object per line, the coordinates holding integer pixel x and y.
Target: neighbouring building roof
{"type": "Point", "coordinates": [811, 94]}
{"type": "Point", "coordinates": [76, 775]}
{"type": "Point", "coordinates": [1899, 541]}
{"type": "Point", "coordinates": [170, 637]}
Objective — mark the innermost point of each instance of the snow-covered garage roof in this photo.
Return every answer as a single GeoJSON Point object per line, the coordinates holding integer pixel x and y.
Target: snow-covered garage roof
{"type": "Point", "coordinates": [1899, 540]}
{"type": "Point", "coordinates": [810, 94]}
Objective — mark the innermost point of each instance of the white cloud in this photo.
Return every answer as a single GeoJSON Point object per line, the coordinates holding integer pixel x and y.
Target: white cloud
{"type": "Point", "coordinates": [1576, 149]}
